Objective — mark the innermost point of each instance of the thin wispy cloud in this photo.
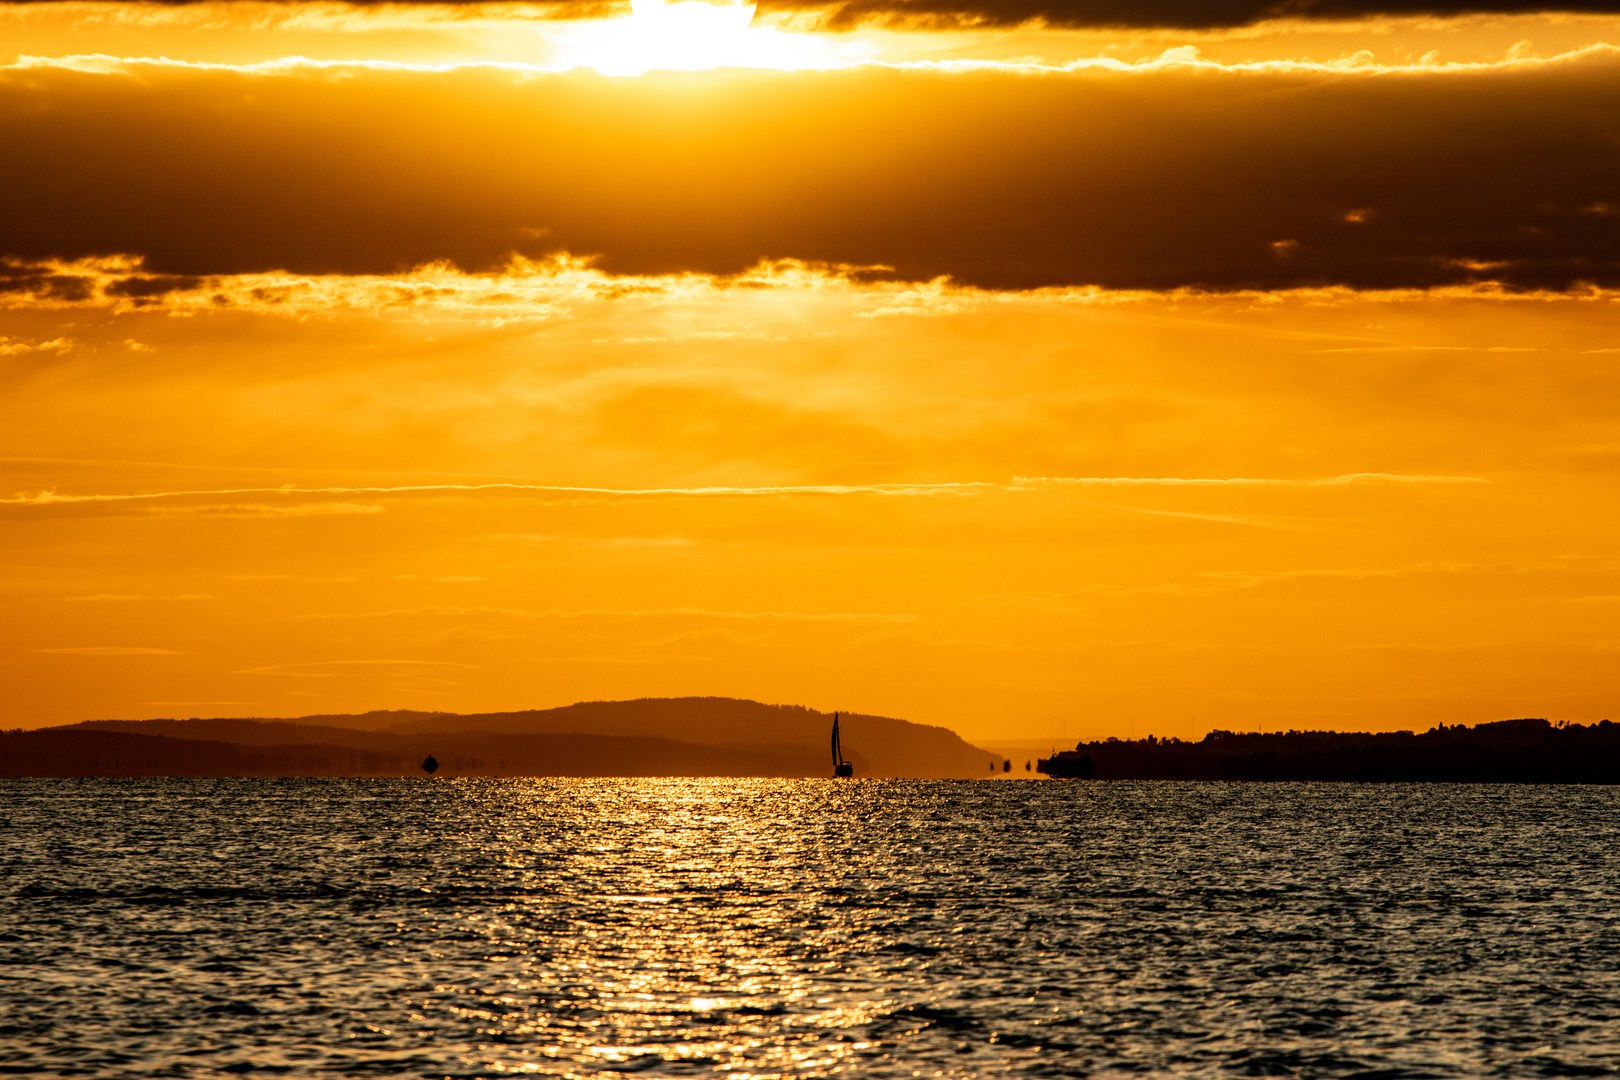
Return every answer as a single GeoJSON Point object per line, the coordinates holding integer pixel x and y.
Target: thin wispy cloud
{"type": "Point", "coordinates": [437, 610]}
{"type": "Point", "coordinates": [110, 650]}
{"type": "Point", "coordinates": [455, 579]}
{"type": "Point", "coordinates": [121, 597]}
{"type": "Point", "coordinates": [1432, 348]}
{"type": "Point", "coordinates": [1250, 520]}
{"type": "Point", "coordinates": [1243, 481]}
{"type": "Point", "coordinates": [341, 669]}
{"type": "Point", "coordinates": [1220, 581]}
{"type": "Point", "coordinates": [601, 541]}
{"type": "Point", "coordinates": [15, 347]}
{"type": "Point", "coordinates": [1179, 57]}
{"type": "Point", "coordinates": [52, 498]}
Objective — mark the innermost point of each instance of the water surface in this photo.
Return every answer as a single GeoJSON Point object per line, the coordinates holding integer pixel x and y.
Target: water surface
{"type": "Point", "coordinates": [754, 928]}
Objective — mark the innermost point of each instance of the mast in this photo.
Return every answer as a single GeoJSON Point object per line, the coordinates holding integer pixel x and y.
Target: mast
{"type": "Point", "coordinates": [840, 766]}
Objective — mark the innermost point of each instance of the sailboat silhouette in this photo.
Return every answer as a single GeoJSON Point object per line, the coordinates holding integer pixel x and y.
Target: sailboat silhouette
{"type": "Point", "coordinates": [840, 766]}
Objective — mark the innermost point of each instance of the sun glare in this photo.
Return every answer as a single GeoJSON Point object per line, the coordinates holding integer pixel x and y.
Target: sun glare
{"type": "Point", "coordinates": [692, 36]}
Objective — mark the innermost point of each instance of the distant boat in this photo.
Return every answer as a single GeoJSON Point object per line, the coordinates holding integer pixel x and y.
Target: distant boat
{"type": "Point", "coordinates": [840, 766]}
{"type": "Point", "coordinates": [431, 765]}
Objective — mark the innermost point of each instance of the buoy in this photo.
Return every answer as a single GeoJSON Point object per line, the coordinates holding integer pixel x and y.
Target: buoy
{"type": "Point", "coordinates": [430, 765]}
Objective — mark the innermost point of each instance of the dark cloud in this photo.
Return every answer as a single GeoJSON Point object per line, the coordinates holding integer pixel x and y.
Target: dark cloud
{"type": "Point", "coordinates": [151, 287]}
{"type": "Point", "coordinates": [1179, 14]}
{"type": "Point", "coordinates": [44, 283]}
{"type": "Point", "coordinates": [1176, 176]}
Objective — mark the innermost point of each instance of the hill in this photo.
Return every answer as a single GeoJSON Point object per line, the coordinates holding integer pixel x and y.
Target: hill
{"type": "Point", "coordinates": [81, 751]}
{"type": "Point", "coordinates": [646, 737]}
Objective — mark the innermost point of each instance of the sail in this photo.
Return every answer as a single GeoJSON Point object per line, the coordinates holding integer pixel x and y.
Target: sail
{"type": "Point", "coordinates": [840, 766]}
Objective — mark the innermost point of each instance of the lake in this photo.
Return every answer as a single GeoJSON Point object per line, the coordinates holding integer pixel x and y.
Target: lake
{"type": "Point", "coordinates": [757, 928]}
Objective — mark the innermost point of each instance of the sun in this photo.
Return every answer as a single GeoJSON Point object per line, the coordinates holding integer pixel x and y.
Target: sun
{"type": "Point", "coordinates": [693, 36]}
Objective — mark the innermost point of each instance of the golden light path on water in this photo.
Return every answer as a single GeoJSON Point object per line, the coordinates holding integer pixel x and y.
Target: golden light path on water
{"type": "Point", "coordinates": [763, 928]}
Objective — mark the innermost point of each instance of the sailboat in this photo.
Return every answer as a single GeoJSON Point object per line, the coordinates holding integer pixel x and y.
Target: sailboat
{"type": "Point", "coordinates": [840, 766]}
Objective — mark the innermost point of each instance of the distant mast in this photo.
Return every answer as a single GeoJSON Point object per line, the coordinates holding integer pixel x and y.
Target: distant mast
{"type": "Point", "coordinates": [840, 766]}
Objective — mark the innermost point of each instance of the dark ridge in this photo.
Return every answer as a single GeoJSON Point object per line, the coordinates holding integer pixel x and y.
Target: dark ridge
{"type": "Point", "coordinates": [92, 752]}
{"type": "Point", "coordinates": [1526, 751]}
{"type": "Point", "coordinates": [696, 737]}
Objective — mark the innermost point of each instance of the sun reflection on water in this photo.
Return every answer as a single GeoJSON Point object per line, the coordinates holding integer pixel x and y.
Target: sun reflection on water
{"type": "Point", "coordinates": [871, 928]}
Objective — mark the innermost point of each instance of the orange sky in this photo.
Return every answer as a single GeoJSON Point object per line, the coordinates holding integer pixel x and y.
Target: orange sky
{"type": "Point", "coordinates": [997, 380]}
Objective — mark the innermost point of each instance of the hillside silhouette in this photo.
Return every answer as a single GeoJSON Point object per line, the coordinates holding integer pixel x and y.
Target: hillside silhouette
{"type": "Point", "coordinates": [646, 737]}
{"type": "Point", "coordinates": [1505, 751]}
{"type": "Point", "coordinates": [93, 752]}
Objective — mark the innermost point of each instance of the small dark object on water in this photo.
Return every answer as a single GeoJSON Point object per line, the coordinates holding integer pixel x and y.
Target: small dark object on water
{"type": "Point", "coordinates": [431, 765]}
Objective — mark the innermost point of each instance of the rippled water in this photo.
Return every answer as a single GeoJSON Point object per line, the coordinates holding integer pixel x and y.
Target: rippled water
{"type": "Point", "coordinates": [760, 928]}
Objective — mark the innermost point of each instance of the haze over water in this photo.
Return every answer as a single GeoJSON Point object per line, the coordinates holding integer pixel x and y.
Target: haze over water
{"type": "Point", "coordinates": [806, 928]}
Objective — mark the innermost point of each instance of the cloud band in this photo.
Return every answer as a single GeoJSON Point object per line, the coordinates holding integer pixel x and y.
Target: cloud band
{"type": "Point", "coordinates": [1174, 175]}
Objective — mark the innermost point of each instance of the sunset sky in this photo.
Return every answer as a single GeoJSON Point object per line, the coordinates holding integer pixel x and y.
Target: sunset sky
{"type": "Point", "coordinates": [1024, 367]}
